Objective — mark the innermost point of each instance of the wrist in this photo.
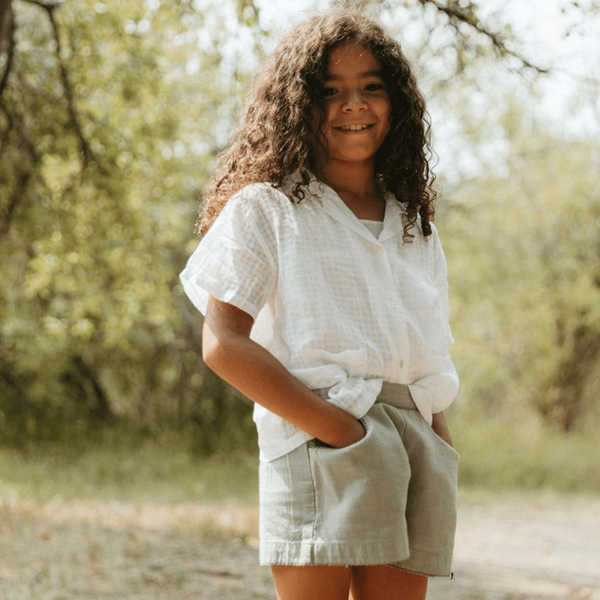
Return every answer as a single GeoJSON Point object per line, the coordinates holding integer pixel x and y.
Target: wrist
{"type": "Point", "coordinates": [342, 429]}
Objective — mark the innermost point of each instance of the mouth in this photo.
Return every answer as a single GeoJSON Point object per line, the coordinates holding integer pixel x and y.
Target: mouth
{"type": "Point", "coordinates": [360, 127]}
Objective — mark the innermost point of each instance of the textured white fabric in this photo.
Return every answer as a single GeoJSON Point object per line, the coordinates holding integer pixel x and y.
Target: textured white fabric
{"type": "Point", "coordinates": [338, 307]}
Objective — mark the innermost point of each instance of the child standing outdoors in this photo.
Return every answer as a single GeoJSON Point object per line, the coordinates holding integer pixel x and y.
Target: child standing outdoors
{"type": "Point", "coordinates": [323, 285]}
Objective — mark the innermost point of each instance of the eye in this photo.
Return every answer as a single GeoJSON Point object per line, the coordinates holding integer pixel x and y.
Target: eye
{"type": "Point", "coordinates": [375, 87]}
{"type": "Point", "coordinates": [328, 92]}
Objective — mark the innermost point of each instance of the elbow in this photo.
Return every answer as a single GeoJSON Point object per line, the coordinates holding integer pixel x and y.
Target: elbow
{"type": "Point", "coordinates": [225, 336]}
{"type": "Point", "coordinates": [218, 351]}
{"type": "Point", "coordinates": [211, 350]}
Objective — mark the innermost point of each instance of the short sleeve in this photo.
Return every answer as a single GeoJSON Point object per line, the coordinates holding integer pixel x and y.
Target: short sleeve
{"type": "Point", "coordinates": [235, 262]}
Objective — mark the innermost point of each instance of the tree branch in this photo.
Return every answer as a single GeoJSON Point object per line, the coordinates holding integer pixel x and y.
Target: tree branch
{"type": "Point", "coordinates": [458, 15]}
{"type": "Point", "coordinates": [44, 5]}
{"type": "Point", "coordinates": [17, 192]}
{"type": "Point", "coordinates": [73, 117]}
{"type": "Point", "coordinates": [6, 18]}
{"type": "Point", "coordinates": [22, 176]}
{"type": "Point", "coordinates": [10, 51]}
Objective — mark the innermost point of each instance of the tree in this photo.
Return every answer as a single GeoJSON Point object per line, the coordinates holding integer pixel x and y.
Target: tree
{"type": "Point", "coordinates": [110, 119]}
{"type": "Point", "coordinates": [107, 134]}
{"type": "Point", "coordinates": [523, 239]}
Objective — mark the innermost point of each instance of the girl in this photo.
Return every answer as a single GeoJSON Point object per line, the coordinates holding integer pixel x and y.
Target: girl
{"type": "Point", "coordinates": [323, 285]}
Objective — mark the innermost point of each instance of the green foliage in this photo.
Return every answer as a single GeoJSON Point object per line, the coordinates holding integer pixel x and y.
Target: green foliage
{"type": "Point", "coordinates": [109, 124]}
{"type": "Point", "coordinates": [110, 120]}
{"type": "Point", "coordinates": [523, 242]}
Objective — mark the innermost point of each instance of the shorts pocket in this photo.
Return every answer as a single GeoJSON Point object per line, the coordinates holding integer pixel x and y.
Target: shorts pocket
{"type": "Point", "coordinates": [450, 449]}
{"type": "Point", "coordinates": [357, 484]}
{"type": "Point", "coordinates": [316, 443]}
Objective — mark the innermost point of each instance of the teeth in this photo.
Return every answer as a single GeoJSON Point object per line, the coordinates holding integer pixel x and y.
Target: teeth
{"type": "Point", "coordinates": [354, 127]}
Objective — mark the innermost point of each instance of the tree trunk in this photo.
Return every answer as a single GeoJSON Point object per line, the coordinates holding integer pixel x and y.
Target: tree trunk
{"type": "Point", "coordinates": [560, 402]}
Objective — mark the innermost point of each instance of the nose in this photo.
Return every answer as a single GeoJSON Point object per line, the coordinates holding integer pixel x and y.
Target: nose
{"type": "Point", "coordinates": [354, 101]}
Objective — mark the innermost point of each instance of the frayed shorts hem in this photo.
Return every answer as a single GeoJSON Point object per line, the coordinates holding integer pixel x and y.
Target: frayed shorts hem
{"type": "Point", "coordinates": [412, 564]}
{"type": "Point", "coordinates": [425, 564]}
{"type": "Point", "coordinates": [330, 554]}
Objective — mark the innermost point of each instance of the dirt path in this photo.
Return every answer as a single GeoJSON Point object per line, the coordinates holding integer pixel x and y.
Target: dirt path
{"type": "Point", "coordinates": [516, 549]}
{"type": "Point", "coordinates": [527, 548]}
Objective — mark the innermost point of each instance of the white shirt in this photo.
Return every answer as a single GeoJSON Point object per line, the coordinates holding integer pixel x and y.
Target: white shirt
{"type": "Point", "coordinates": [337, 306]}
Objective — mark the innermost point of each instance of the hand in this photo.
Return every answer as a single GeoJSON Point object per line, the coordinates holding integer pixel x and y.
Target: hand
{"type": "Point", "coordinates": [352, 434]}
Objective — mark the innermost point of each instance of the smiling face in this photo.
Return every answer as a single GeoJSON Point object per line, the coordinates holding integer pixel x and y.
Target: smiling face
{"type": "Point", "coordinates": [357, 106]}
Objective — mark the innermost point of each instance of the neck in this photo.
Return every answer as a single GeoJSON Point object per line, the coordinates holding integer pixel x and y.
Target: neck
{"type": "Point", "coordinates": [355, 184]}
{"type": "Point", "coordinates": [358, 179]}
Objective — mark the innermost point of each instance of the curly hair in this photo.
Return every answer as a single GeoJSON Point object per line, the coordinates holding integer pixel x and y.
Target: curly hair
{"type": "Point", "coordinates": [276, 136]}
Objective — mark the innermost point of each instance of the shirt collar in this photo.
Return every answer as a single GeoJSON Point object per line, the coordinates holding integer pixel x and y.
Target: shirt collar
{"type": "Point", "coordinates": [337, 209]}
{"type": "Point", "coordinates": [393, 221]}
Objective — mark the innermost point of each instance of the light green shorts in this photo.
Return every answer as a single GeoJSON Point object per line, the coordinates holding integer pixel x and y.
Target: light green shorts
{"type": "Point", "coordinates": [388, 499]}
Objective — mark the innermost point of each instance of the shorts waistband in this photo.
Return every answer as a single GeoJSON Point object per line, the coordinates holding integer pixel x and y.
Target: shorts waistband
{"type": "Point", "coordinates": [395, 394]}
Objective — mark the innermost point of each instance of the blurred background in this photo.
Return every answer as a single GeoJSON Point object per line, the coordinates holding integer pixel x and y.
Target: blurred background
{"type": "Point", "coordinates": [111, 115]}
{"type": "Point", "coordinates": [127, 470]}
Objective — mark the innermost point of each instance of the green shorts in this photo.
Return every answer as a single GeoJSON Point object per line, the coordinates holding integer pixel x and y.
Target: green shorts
{"type": "Point", "coordinates": [388, 499]}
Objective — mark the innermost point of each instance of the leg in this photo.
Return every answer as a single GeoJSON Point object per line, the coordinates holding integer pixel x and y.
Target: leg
{"type": "Point", "coordinates": [380, 582]}
{"type": "Point", "coordinates": [314, 582]}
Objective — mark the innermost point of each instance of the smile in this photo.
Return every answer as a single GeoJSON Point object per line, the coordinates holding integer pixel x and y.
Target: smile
{"type": "Point", "coordinates": [354, 127]}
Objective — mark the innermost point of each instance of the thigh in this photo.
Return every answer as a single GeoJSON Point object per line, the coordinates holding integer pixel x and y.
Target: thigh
{"type": "Point", "coordinates": [314, 582]}
{"type": "Point", "coordinates": [380, 582]}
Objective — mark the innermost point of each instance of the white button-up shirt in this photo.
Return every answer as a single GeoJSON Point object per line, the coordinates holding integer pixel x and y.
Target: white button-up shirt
{"type": "Point", "coordinates": [338, 307]}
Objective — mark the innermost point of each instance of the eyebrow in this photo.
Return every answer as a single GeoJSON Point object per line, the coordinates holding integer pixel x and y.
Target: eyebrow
{"type": "Point", "coordinates": [364, 75]}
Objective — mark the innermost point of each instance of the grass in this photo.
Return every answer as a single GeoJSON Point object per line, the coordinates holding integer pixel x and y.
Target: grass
{"type": "Point", "coordinates": [118, 464]}
{"type": "Point", "coordinates": [127, 466]}
{"type": "Point", "coordinates": [521, 456]}
{"type": "Point", "coordinates": [125, 515]}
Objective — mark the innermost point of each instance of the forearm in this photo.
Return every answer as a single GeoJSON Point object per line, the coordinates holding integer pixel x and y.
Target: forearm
{"type": "Point", "coordinates": [256, 373]}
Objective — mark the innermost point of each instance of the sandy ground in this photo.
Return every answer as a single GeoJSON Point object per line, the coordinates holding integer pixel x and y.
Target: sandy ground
{"type": "Point", "coordinates": [519, 548]}
{"type": "Point", "coordinates": [527, 548]}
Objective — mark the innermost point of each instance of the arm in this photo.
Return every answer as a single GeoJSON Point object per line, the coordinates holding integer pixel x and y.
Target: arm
{"type": "Point", "coordinates": [228, 350]}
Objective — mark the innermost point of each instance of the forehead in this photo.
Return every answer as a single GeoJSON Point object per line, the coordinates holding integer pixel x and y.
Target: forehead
{"type": "Point", "coordinates": [352, 57]}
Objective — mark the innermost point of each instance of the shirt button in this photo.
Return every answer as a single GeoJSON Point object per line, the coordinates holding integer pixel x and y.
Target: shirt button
{"type": "Point", "coordinates": [401, 363]}
{"type": "Point", "coordinates": [379, 250]}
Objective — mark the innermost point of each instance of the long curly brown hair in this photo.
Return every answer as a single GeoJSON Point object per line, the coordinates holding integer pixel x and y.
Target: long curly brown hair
{"type": "Point", "coordinates": [276, 136]}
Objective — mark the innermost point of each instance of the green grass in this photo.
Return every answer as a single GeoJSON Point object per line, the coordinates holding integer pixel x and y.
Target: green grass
{"type": "Point", "coordinates": [121, 514]}
{"type": "Point", "coordinates": [126, 515]}
{"type": "Point", "coordinates": [521, 456]}
{"type": "Point", "coordinates": [122, 465]}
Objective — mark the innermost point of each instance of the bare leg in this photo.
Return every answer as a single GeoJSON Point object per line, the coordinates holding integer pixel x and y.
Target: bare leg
{"type": "Point", "coordinates": [380, 582]}
{"type": "Point", "coordinates": [312, 582]}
